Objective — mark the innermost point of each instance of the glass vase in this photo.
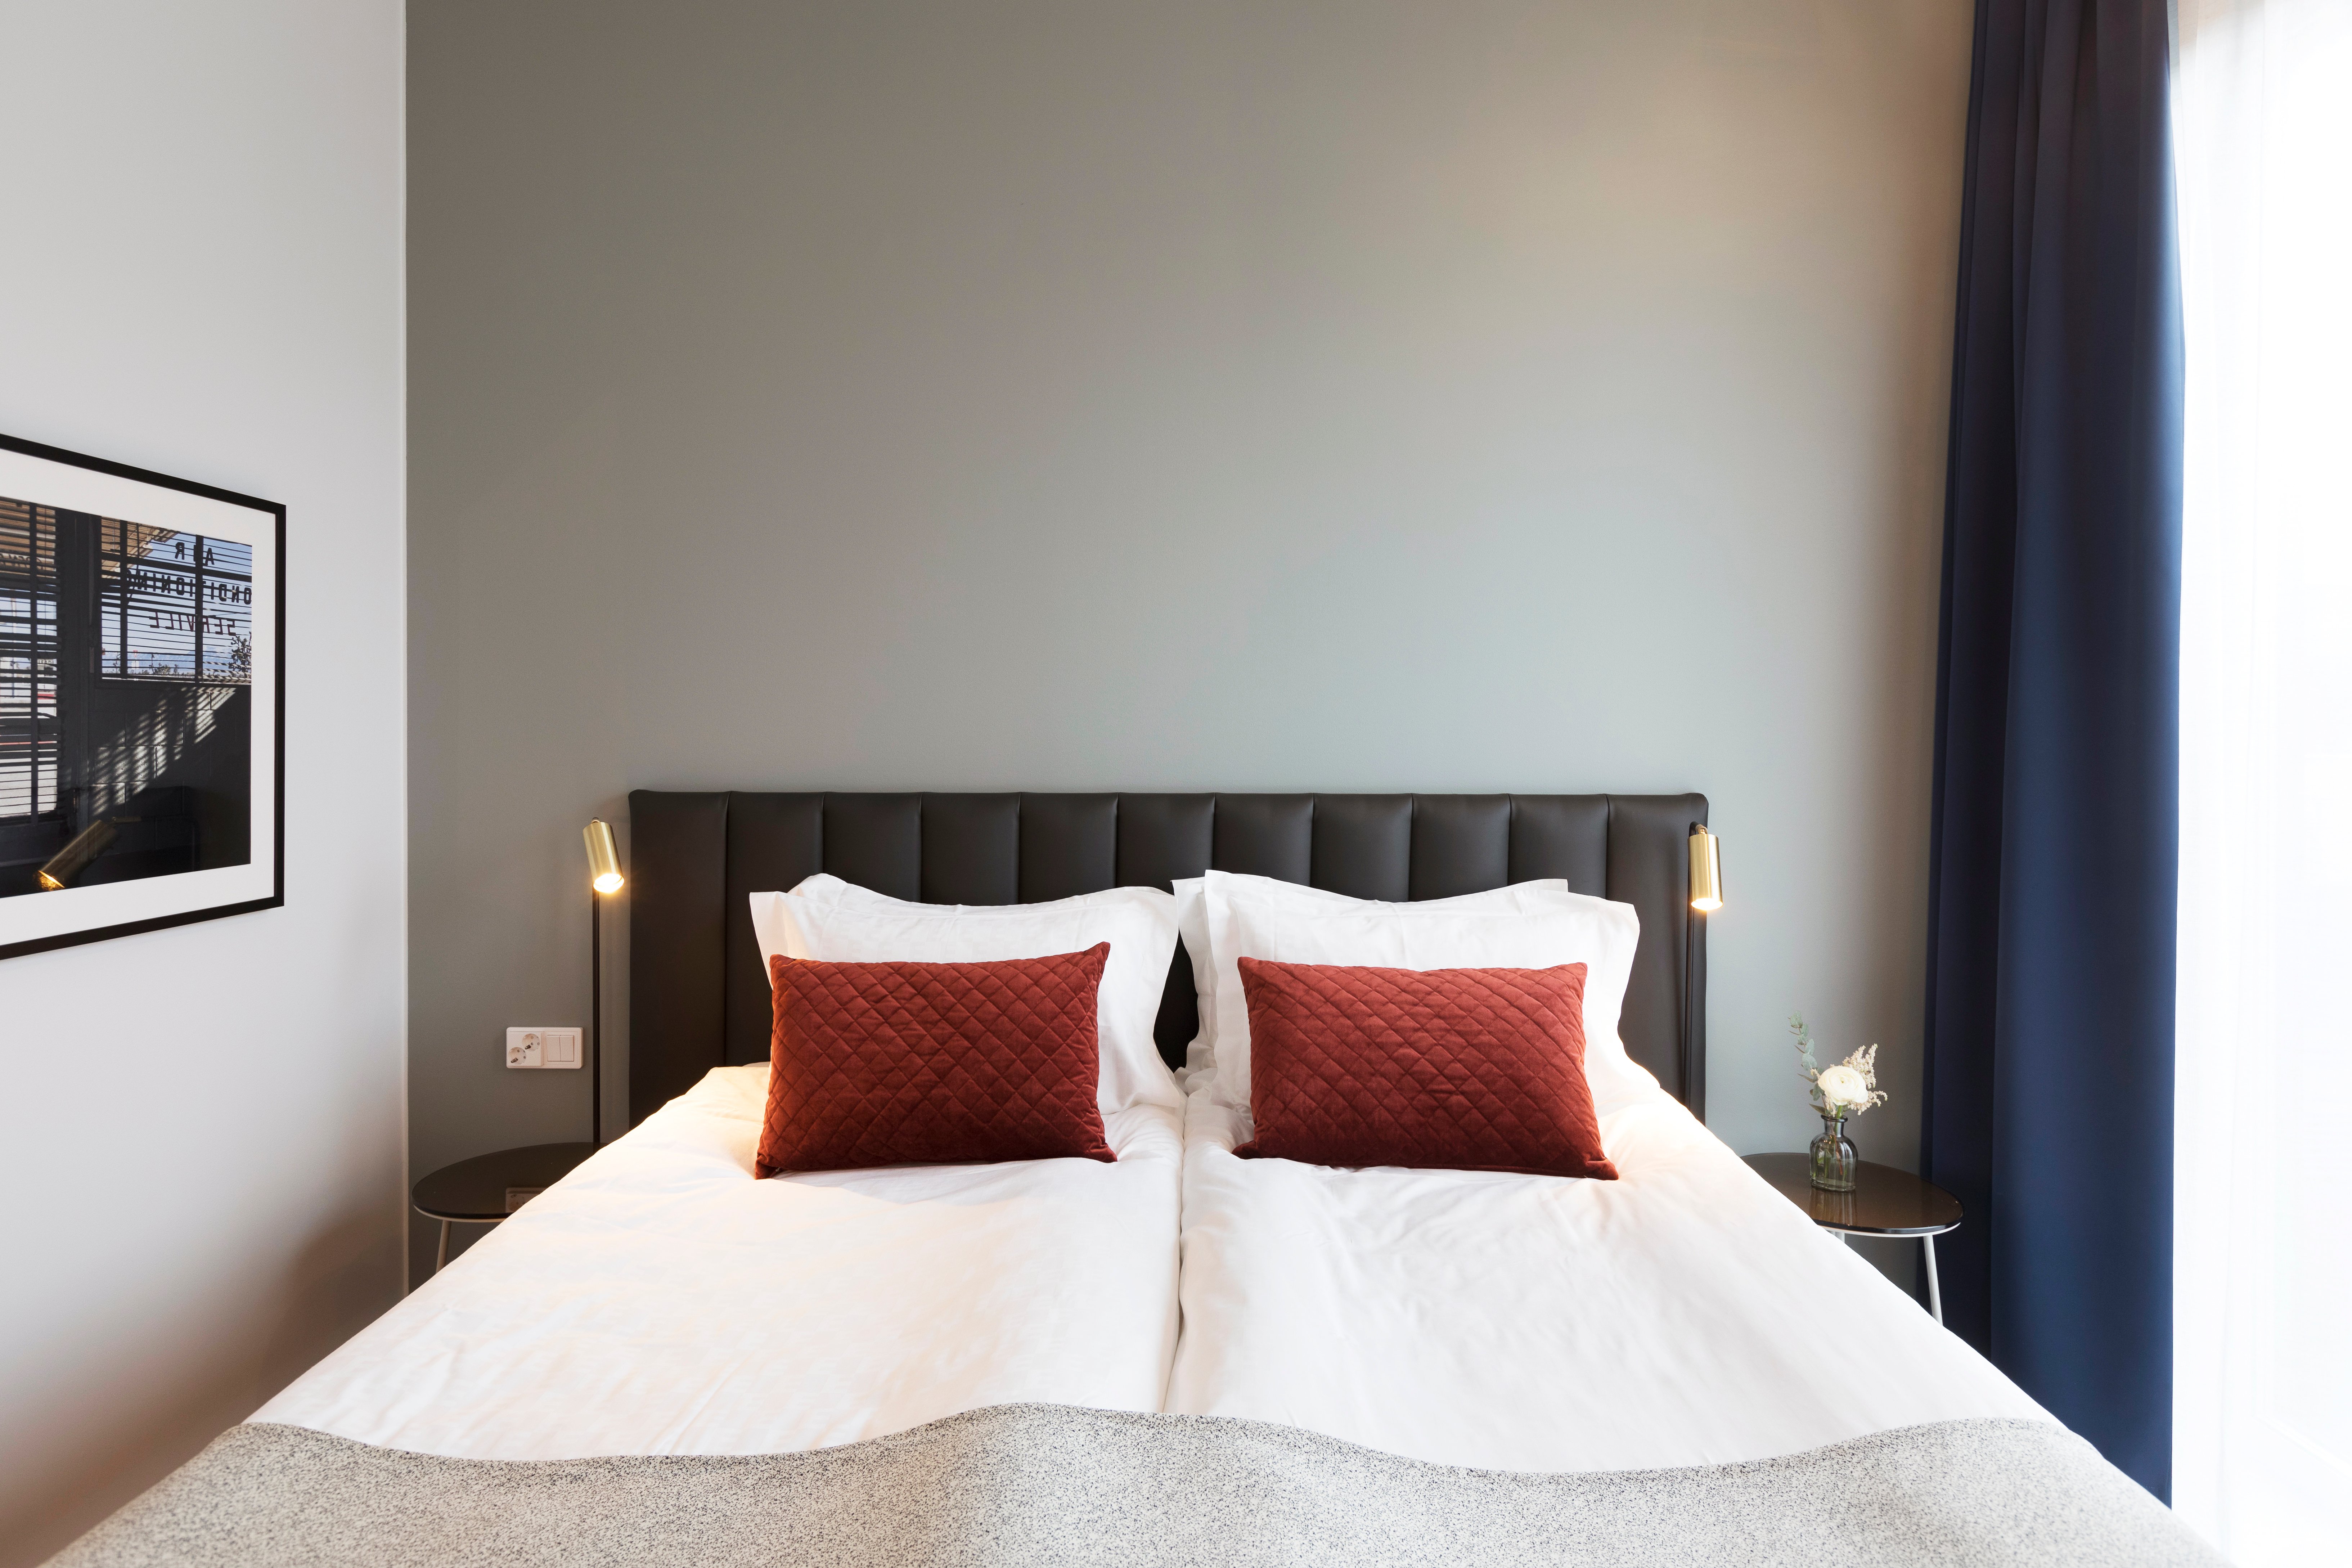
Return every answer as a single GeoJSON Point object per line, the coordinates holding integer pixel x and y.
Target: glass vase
{"type": "Point", "coordinates": [1834, 1159]}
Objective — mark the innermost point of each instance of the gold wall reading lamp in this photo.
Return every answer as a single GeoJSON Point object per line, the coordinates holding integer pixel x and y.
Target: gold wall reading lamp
{"type": "Point", "coordinates": [1706, 870]}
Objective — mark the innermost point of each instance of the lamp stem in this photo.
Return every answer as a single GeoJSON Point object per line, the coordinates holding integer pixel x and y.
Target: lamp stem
{"type": "Point", "coordinates": [595, 1020]}
{"type": "Point", "coordinates": [1694, 1095]}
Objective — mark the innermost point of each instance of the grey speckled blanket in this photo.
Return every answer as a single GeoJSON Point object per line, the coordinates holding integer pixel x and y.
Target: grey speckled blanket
{"type": "Point", "coordinates": [1034, 1484]}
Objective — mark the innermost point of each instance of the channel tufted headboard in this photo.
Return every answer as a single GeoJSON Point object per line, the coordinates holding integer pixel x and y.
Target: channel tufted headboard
{"type": "Point", "coordinates": [698, 999]}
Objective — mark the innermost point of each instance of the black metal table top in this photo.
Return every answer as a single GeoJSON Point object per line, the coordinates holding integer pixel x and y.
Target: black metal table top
{"type": "Point", "coordinates": [492, 1186]}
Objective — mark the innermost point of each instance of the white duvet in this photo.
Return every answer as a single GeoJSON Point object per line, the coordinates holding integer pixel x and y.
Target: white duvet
{"type": "Point", "coordinates": [1684, 1314]}
{"type": "Point", "coordinates": [661, 1300]}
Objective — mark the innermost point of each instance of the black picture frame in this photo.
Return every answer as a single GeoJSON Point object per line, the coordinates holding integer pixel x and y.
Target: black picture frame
{"type": "Point", "coordinates": [117, 909]}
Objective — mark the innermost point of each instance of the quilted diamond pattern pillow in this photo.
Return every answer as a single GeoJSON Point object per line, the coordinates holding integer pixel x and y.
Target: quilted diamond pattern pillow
{"type": "Point", "coordinates": [1459, 1069]}
{"type": "Point", "coordinates": [927, 1064]}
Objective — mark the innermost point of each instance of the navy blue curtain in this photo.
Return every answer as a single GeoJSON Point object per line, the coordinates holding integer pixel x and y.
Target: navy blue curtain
{"type": "Point", "coordinates": [2051, 940]}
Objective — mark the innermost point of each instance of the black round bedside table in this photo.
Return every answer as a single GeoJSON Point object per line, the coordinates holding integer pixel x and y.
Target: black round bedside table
{"type": "Point", "coordinates": [487, 1188]}
{"type": "Point", "coordinates": [1884, 1202]}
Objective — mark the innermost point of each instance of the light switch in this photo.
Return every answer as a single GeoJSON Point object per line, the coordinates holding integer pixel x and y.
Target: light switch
{"type": "Point", "coordinates": [543, 1047]}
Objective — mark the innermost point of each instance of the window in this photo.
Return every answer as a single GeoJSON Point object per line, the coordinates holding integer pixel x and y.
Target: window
{"type": "Point", "coordinates": [2263, 1243]}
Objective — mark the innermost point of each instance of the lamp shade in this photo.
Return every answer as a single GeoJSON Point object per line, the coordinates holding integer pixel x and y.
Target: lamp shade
{"type": "Point", "coordinates": [603, 860]}
{"type": "Point", "coordinates": [1706, 869]}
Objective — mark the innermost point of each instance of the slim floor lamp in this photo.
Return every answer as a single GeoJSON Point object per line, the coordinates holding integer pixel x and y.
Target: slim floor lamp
{"type": "Point", "coordinates": [604, 879]}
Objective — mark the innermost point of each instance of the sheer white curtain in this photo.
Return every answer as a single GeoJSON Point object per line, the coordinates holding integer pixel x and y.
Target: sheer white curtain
{"type": "Point", "coordinates": [2262, 1319]}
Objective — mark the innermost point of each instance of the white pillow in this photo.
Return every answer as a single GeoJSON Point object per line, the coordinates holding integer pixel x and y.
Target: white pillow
{"type": "Point", "coordinates": [826, 918]}
{"type": "Point", "coordinates": [1529, 926]}
{"type": "Point", "coordinates": [1192, 924]}
{"type": "Point", "coordinates": [825, 888]}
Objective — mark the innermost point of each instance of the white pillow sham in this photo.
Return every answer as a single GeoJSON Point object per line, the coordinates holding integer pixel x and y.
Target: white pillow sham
{"type": "Point", "coordinates": [1532, 925]}
{"type": "Point", "coordinates": [1192, 925]}
{"type": "Point", "coordinates": [826, 918]}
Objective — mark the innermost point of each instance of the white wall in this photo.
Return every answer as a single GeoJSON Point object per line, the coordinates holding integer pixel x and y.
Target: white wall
{"type": "Point", "coordinates": [1370, 394]}
{"type": "Point", "coordinates": [201, 274]}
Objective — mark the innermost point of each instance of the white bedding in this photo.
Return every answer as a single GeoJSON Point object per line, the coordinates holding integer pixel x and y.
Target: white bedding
{"type": "Point", "coordinates": [661, 1300]}
{"type": "Point", "coordinates": [1685, 1314]}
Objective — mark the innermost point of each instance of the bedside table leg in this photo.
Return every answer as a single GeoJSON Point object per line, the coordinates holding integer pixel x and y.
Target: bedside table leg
{"type": "Point", "coordinates": [441, 1255]}
{"type": "Point", "coordinates": [1935, 1295]}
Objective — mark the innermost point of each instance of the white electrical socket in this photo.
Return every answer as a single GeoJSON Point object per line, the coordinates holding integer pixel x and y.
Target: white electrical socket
{"type": "Point", "coordinates": [543, 1047]}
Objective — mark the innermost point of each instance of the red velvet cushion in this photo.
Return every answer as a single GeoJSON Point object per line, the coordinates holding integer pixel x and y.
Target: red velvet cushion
{"type": "Point", "coordinates": [928, 1064]}
{"type": "Point", "coordinates": [1458, 1069]}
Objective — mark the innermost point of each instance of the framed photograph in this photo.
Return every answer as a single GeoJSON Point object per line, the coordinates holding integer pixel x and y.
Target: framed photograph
{"type": "Point", "coordinates": [143, 700]}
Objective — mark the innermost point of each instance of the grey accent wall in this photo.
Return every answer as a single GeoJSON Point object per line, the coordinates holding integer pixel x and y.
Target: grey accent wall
{"type": "Point", "coordinates": [1363, 395]}
{"type": "Point", "coordinates": [201, 1129]}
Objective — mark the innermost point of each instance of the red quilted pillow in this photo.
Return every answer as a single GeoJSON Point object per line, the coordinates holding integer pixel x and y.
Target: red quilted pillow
{"type": "Point", "coordinates": [930, 1063]}
{"type": "Point", "coordinates": [1458, 1069]}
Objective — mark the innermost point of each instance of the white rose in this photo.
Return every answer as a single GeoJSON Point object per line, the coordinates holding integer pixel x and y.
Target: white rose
{"type": "Point", "coordinates": [1841, 1084]}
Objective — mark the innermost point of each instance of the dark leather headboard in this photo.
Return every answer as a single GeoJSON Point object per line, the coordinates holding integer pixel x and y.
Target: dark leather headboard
{"type": "Point", "coordinates": [698, 998]}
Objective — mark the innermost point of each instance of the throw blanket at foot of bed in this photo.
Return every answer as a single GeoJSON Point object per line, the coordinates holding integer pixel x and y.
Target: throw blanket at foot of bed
{"type": "Point", "coordinates": [1030, 1484]}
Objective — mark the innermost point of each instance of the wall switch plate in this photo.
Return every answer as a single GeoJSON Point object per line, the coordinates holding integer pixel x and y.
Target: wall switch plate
{"type": "Point", "coordinates": [543, 1047]}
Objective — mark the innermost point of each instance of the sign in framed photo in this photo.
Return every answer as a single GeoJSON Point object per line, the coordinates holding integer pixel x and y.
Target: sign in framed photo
{"type": "Point", "coordinates": [143, 700]}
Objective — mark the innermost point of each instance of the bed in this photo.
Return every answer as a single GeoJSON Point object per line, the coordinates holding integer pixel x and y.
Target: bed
{"type": "Point", "coordinates": [665, 1359]}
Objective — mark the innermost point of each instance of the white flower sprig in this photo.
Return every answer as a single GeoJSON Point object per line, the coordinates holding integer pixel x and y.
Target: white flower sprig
{"type": "Point", "coordinates": [1847, 1089]}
